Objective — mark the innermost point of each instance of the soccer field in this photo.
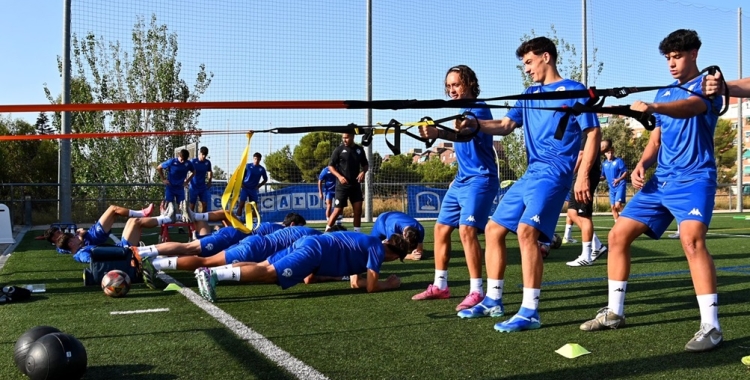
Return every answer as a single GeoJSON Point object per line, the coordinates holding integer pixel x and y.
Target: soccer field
{"type": "Point", "coordinates": [332, 331]}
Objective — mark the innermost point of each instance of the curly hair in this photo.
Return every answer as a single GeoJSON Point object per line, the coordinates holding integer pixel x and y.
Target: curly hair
{"type": "Point", "coordinates": [468, 79]}
{"type": "Point", "coordinates": [398, 245]}
{"type": "Point", "coordinates": [680, 40]}
{"type": "Point", "coordinates": [63, 240]}
{"type": "Point", "coordinates": [50, 233]}
{"type": "Point", "coordinates": [412, 237]}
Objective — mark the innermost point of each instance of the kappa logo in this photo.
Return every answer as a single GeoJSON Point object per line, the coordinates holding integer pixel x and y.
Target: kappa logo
{"type": "Point", "coordinates": [169, 263]}
{"type": "Point", "coordinates": [692, 86]}
{"type": "Point", "coordinates": [535, 219]}
{"type": "Point", "coordinates": [470, 218]}
{"type": "Point", "coordinates": [666, 93]}
{"type": "Point", "coordinates": [620, 290]}
{"type": "Point", "coordinates": [235, 261]}
{"type": "Point", "coordinates": [287, 272]}
{"type": "Point", "coordinates": [714, 305]}
{"type": "Point", "coordinates": [536, 91]}
{"type": "Point", "coordinates": [234, 276]}
{"type": "Point", "coordinates": [695, 212]}
{"type": "Point", "coordinates": [209, 246]}
{"type": "Point", "coordinates": [496, 287]}
{"type": "Point", "coordinates": [561, 88]}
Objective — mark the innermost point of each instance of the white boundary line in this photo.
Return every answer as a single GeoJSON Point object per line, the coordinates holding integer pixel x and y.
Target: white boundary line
{"type": "Point", "coordinates": [282, 358]}
{"type": "Point", "coordinates": [139, 311]}
{"type": "Point", "coordinates": [6, 254]}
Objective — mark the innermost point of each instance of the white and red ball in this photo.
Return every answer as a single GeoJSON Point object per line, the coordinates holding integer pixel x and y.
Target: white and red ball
{"type": "Point", "coordinates": [544, 249]}
{"type": "Point", "coordinates": [116, 283]}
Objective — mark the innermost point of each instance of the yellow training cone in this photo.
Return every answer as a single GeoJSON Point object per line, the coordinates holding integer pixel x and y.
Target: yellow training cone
{"type": "Point", "coordinates": [746, 360]}
{"type": "Point", "coordinates": [174, 287]}
{"type": "Point", "coordinates": [572, 350]}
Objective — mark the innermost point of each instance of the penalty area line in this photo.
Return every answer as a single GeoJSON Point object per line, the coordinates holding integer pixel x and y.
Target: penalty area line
{"type": "Point", "coordinates": [139, 311]}
{"type": "Point", "coordinates": [273, 352]}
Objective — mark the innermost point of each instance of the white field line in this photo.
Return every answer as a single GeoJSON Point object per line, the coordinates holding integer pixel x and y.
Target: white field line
{"type": "Point", "coordinates": [139, 311]}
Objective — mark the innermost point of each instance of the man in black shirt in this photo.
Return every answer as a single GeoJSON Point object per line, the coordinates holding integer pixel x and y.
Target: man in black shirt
{"type": "Point", "coordinates": [580, 214]}
{"type": "Point", "coordinates": [345, 164]}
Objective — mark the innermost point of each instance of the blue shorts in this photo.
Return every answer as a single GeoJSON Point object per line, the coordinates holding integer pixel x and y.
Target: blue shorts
{"type": "Point", "coordinates": [536, 199]}
{"type": "Point", "coordinates": [248, 195]}
{"type": "Point", "coordinates": [202, 195]}
{"type": "Point", "coordinates": [220, 240]}
{"type": "Point", "coordinates": [174, 194]}
{"type": "Point", "coordinates": [123, 243]}
{"type": "Point", "coordinates": [658, 203]}
{"type": "Point", "coordinates": [254, 249]}
{"type": "Point", "coordinates": [96, 235]}
{"type": "Point", "coordinates": [329, 196]}
{"type": "Point", "coordinates": [296, 262]}
{"type": "Point", "coordinates": [617, 195]}
{"type": "Point", "coordinates": [469, 203]}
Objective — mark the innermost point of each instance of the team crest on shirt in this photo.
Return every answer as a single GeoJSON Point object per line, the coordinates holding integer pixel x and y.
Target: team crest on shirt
{"type": "Point", "coordinates": [287, 272]}
{"type": "Point", "coordinates": [336, 202]}
{"type": "Point", "coordinates": [358, 151]}
{"type": "Point", "coordinates": [209, 246]}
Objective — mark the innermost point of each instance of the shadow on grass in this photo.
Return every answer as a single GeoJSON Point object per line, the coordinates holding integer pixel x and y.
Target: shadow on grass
{"type": "Point", "coordinates": [125, 371]}
{"type": "Point", "coordinates": [245, 355]}
{"type": "Point", "coordinates": [729, 353]}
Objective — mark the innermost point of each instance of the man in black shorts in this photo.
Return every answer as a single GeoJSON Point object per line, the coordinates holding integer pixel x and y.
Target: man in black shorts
{"type": "Point", "coordinates": [345, 164]}
{"type": "Point", "coordinates": [580, 214]}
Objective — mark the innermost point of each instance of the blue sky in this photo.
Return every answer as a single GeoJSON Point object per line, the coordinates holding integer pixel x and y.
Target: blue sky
{"type": "Point", "coordinates": [306, 50]}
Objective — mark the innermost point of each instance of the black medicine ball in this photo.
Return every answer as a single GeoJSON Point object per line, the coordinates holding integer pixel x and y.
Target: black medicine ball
{"type": "Point", "coordinates": [56, 356]}
{"type": "Point", "coordinates": [24, 343]}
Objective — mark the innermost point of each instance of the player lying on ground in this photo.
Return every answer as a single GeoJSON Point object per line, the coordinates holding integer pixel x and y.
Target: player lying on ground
{"type": "Point", "coordinates": [83, 242]}
{"type": "Point", "coordinates": [335, 254]}
{"type": "Point", "coordinates": [253, 248]}
{"type": "Point", "coordinates": [395, 222]}
{"type": "Point", "coordinates": [100, 230]}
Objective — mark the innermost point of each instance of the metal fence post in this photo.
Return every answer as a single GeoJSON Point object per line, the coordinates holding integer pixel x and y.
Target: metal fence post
{"type": "Point", "coordinates": [27, 210]}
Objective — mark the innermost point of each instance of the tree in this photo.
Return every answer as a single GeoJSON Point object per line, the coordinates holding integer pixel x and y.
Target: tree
{"type": "Point", "coordinates": [625, 144]}
{"type": "Point", "coordinates": [281, 166]}
{"type": "Point", "coordinates": [219, 173]}
{"type": "Point", "coordinates": [314, 152]}
{"type": "Point", "coordinates": [27, 161]}
{"type": "Point", "coordinates": [399, 169]}
{"type": "Point", "coordinates": [42, 125]}
{"type": "Point", "coordinates": [725, 151]}
{"type": "Point", "coordinates": [569, 65]}
{"type": "Point", "coordinates": [435, 171]}
{"type": "Point", "coordinates": [104, 73]}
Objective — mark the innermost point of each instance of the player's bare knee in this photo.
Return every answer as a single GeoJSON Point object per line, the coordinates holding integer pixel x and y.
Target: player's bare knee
{"type": "Point", "coordinates": [467, 234]}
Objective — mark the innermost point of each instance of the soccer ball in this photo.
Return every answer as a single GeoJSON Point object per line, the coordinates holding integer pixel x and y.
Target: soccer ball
{"type": "Point", "coordinates": [116, 283]}
{"type": "Point", "coordinates": [544, 249]}
{"type": "Point", "coordinates": [556, 241]}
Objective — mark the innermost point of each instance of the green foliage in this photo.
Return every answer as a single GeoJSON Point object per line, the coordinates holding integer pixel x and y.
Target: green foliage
{"type": "Point", "coordinates": [435, 171]}
{"type": "Point", "coordinates": [103, 73]}
{"type": "Point", "coordinates": [725, 151]}
{"type": "Point", "coordinates": [219, 173]}
{"type": "Point", "coordinates": [27, 161]}
{"type": "Point", "coordinates": [568, 62]}
{"type": "Point", "coordinates": [398, 169]}
{"type": "Point", "coordinates": [515, 153]}
{"type": "Point", "coordinates": [281, 166]}
{"type": "Point", "coordinates": [314, 152]}
{"type": "Point", "coordinates": [626, 146]}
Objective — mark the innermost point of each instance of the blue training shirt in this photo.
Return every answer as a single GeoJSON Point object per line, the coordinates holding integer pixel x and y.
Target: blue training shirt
{"type": "Point", "coordinates": [265, 228]}
{"type": "Point", "coordinates": [346, 253]}
{"type": "Point", "coordinates": [476, 157]}
{"type": "Point", "coordinates": [611, 170]}
{"type": "Point", "coordinates": [687, 145]}
{"type": "Point", "coordinates": [201, 169]}
{"type": "Point", "coordinates": [394, 222]}
{"type": "Point", "coordinates": [329, 180]}
{"type": "Point", "coordinates": [176, 171]}
{"type": "Point", "coordinates": [545, 153]}
{"type": "Point", "coordinates": [252, 177]}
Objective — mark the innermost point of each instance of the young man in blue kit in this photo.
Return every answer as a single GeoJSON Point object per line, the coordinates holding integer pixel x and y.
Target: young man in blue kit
{"type": "Point", "coordinates": [683, 187]}
{"type": "Point", "coordinates": [334, 254]}
{"type": "Point", "coordinates": [175, 178]}
{"type": "Point", "coordinates": [531, 207]}
{"type": "Point", "coordinates": [395, 222]}
{"type": "Point", "coordinates": [251, 182]}
{"type": "Point", "coordinates": [200, 182]}
{"type": "Point", "coordinates": [615, 172]}
{"type": "Point", "coordinates": [467, 203]}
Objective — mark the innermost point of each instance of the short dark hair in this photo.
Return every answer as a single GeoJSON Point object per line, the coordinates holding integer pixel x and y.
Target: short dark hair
{"type": "Point", "coordinates": [538, 46]}
{"type": "Point", "coordinates": [295, 218]}
{"type": "Point", "coordinates": [412, 237]}
{"type": "Point", "coordinates": [256, 154]}
{"type": "Point", "coordinates": [50, 233]}
{"type": "Point", "coordinates": [680, 40]}
{"type": "Point", "coordinates": [398, 245]}
{"type": "Point", "coordinates": [468, 79]}
{"type": "Point", "coordinates": [609, 143]}
{"type": "Point", "coordinates": [204, 151]}
{"type": "Point", "coordinates": [185, 154]}
{"type": "Point", "coordinates": [63, 240]}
